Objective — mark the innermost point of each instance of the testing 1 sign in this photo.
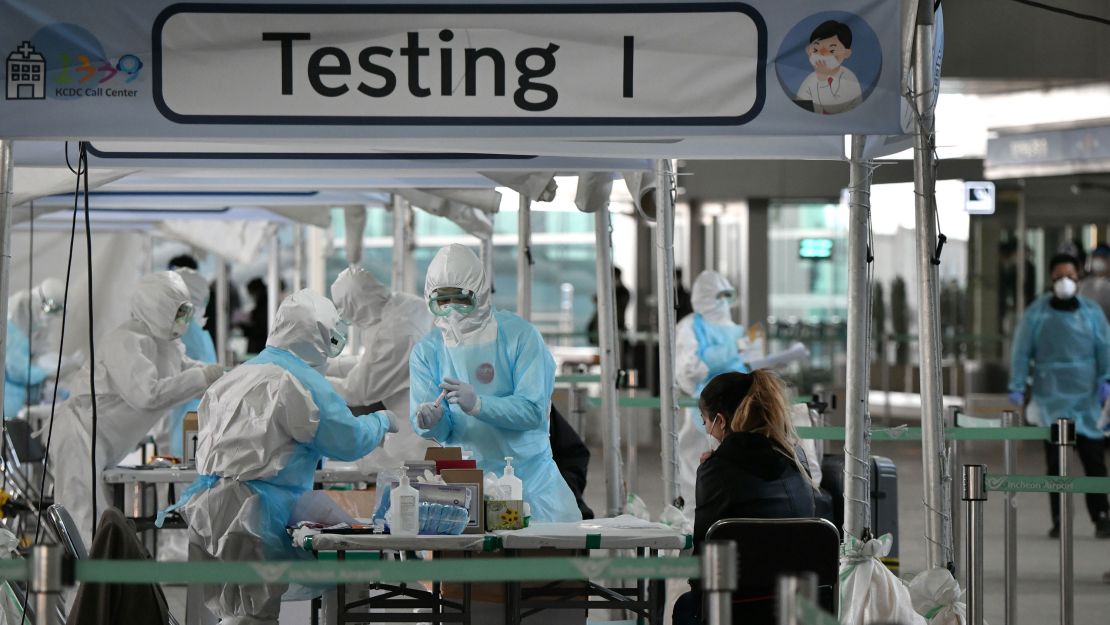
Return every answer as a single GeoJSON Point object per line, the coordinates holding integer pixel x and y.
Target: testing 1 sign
{"type": "Point", "coordinates": [150, 68]}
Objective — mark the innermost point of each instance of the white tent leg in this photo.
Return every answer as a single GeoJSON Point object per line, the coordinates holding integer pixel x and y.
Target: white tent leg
{"type": "Point", "coordinates": [6, 170]}
{"type": "Point", "coordinates": [273, 286]}
{"type": "Point", "coordinates": [610, 364]}
{"type": "Point", "coordinates": [937, 521]}
{"type": "Point", "coordinates": [223, 326]}
{"type": "Point", "coordinates": [857, 440]}
{"type": "Point", "coordinates": [524, 259]}
{"type": "Point", "coordinates": [664, 276]}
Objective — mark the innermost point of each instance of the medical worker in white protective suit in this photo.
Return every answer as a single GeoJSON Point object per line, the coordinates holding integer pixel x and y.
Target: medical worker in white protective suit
{"type": "Point", "coordinates": [169, 434]}
{"type": "Point", "coordinates": [391, 324]}
{"type": "Point", "coordinates": [263, 429]}
{"type": "Point", "coordinates": [707, 343]}
{"type": "Point", "coordinates": [141, 372]}
{"type": "Point", "coordinates": [498, 377]}
{"type": "Point", "coordinates": [28, 364]}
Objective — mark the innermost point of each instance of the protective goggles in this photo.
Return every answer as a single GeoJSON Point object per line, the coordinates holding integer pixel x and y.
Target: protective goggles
{"type": "Point", "coordinates": [184, 313]}
{"type": "Point", "coordinates": [728, 296]}
{"type": "Point", "coordinates": [443, 301]}
{"type": "Point", "coordinates": [51, 307]}
{"type": "Point", "coordinates": [338, 340]}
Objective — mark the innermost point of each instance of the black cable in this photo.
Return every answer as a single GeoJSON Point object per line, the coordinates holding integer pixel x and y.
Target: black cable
{"type": "Point", "coordinates": [1068, 12]}
{"type": "Point", "coordinates": [94, 476]}
{"type": "Point", "coordinates": [61, 347]}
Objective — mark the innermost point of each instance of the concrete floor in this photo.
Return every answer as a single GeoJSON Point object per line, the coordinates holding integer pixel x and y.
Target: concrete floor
{"type": "Point", "coordinates": [1038, 556]}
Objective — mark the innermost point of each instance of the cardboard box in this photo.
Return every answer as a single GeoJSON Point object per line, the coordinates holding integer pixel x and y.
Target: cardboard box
{"type": "Point", "coordinates": [472, 477]}
{"type": "Point", "coordinates": [190, 429]}
{"type": "Point", "coordinates": [357, 503]}
{"type": "Point", "coordinates": [443, 453]}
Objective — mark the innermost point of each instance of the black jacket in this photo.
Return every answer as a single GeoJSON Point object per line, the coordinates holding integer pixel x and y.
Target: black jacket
{"type": "Point", "coordinates": [749, 477]}
{"type": "Point", "coordinates": [572, 457]}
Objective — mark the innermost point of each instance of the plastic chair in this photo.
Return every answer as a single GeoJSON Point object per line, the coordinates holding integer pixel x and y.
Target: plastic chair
{"type": "Point", "coordinates": [66, 530]}
{"type": "Point", "coordinates": [769, 548]}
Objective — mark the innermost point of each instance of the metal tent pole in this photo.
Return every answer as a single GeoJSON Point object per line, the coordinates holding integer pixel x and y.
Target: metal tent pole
{"type": "Point", "coordinates": [937, 535]}
{"type": "Point", "coordinates": [7, 164]}
{"type": "Point", "coordinates": [610, 363]}
{"type": "Point", "coordinates": [298, 257]}
{"type": "Point", "coordinates": [223, 327]}
{"type": "Point", "coordinates": [524, 259]}
{"type": "Point", "coordinates": [857, 439]}
{"type": "Point", "coordinates": [273, 287]}
{"type": "Point", "coordinates": [402, 244]}
{"type": "Point", "coordinates": [665, 300]}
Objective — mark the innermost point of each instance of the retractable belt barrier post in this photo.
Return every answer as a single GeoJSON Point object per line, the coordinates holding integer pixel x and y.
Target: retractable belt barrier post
{"type": "Point", "coordinates": [46, 581]}
{"type": "Point", "coordinates": [792, 589]}
{"type": "Point", "coordinates": [1009, 516]}
{"type": "Point", "coordinates": [974, 494]}
{"type": "Point", "coordinates": [719, 580]}
{"type": "Point", "coordinates": [1065, 440]}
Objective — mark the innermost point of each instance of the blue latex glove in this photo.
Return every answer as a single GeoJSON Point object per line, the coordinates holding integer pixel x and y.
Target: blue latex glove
{"type": "Point", "coordinates": [461, 394]}
{"type": "Point", "coordinates": [394, 420]}
{"type": "Point", "coordinates": [1017, 399]}
{"type": "Point", "coordinates": [1103, 392]}
{"type": "Point", "coordinates": [428, 415]}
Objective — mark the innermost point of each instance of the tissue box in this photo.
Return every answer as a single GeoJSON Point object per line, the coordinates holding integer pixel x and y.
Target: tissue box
{"type": "Point", "coordinates": [504, 514]}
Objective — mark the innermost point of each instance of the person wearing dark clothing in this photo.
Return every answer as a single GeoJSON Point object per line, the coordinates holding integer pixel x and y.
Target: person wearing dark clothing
{"type": "Point", "coordinates": [683, 302]}
{"type": "Point", "coordinates": [623, 299]}
{"type": "Point", "coordinates": [256, 329]}
{"type": "Point", "coordinates": [184, 260]}
{"type": "Point", "coordinates": [758, 470]}
{"type": "Point", "coordinates": [572, 457]}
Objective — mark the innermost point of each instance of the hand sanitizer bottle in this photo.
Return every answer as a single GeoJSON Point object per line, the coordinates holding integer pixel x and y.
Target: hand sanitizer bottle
{"type": "Point", "coordinates": [405, 508]}
{"type": "Point", "coordinates": [511, 482]}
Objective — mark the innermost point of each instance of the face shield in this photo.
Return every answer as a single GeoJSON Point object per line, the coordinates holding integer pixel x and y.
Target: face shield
{"type": "Point", "coordinates": [338, 340]}
{"type": "Point", "coordinates": [182, 318]}
{"type": "Point", "coordinates": [447, 299]}
{"type": "Point", "coordinates": [728, 296]}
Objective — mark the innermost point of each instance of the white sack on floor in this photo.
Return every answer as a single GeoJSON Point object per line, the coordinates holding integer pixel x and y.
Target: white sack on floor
{"type": "Point", "coordinates": [869, 592]}
{"type": "Point", "coordinates": [936, 596]}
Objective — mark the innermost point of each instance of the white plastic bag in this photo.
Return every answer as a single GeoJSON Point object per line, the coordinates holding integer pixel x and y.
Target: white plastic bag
{"type": "Point", "coordinates": [674, 518]}
{"type": "Point", "coordinates": [936, 596]}
{"type": "Point", "coordinates": [869, 592]}
{"type": "Point", "coordinates": [636, 507]}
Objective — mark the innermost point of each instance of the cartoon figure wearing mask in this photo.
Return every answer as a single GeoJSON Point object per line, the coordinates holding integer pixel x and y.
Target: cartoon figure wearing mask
{"type": "Point", "coordinates": [832, 88]}
{"type": "Point", "coordinates": [496, 375]}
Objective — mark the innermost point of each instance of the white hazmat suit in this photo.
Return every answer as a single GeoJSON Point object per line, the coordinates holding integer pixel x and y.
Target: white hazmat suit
{"type": "Point", "coordinates": [391, 324]}
{"type": "Point", "coordinates": [263, 429]}
{"type": "Point", "coordinates": [141, 372]}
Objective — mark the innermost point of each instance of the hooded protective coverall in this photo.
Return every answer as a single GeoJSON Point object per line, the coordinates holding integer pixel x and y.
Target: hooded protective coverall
{"type": "Point", "coordinates": [705, 346]}
{"type": "Point", "coordinates": [504, 359]}
{"type": "Point", "coordinates": [141, 372]}
{"type": "Point", "coordinates": [391, 324]}
{"type": "Point", "coordinates": [28, 330]}
{"type": "Point", "coordinates": [263, 429]}
{"type": "Point", "coordinates": [199, 347]}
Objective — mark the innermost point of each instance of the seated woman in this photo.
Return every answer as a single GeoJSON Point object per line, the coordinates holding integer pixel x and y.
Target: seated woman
{"type": "Point", "coordinates": [757, 471]}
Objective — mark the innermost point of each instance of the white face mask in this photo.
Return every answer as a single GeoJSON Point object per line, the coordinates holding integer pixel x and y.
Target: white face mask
{"type": "Point", "coordinates": [454, 325]}
{"type": "Point", "coordinates": [831, 62]}
{"type": "Point", "coordinates": [713, 443]}
{"type": "Point", "coordinates": [1064, 288]}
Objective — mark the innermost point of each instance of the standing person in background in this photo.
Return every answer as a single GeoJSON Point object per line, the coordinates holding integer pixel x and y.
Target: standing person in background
{"type": "Point", "coordinates": [1065, 339]}
{"type": "Point", "coordinates": [1096, 286]}
{"type": "Point", "coordinates": [391, 324]}
{"type": "Point", "coordinates": [255, 328]}
{"type": "Point", "coordinates": [683, 305]}
{"type": "Point", "coordinates": [27, 363]}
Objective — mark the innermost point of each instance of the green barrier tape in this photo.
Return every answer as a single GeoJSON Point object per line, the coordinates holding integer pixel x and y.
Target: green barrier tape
{"type": "Point", "coordinates": [578, 378]}
{"type": "Point", "coordinates": [593, 541]}
{"type": "Point", "coordinates": [15, 570]}
{"type": "Point", "coordinates": [1047, 484]}
{"type": "Point", "coordinates": [809, 613]}
{"type": "Point", "coordinates": [914, 434]}
{"type": "Point", "coordinates": [348, 572]}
